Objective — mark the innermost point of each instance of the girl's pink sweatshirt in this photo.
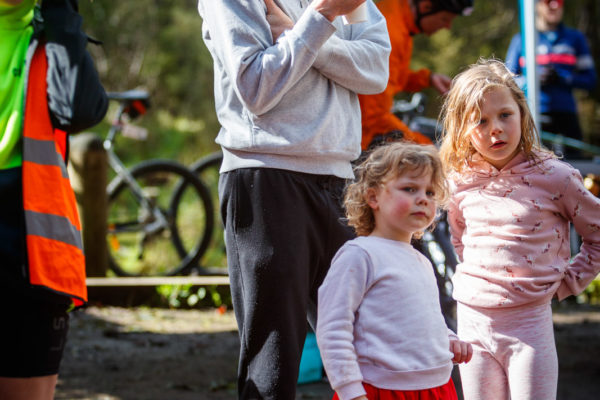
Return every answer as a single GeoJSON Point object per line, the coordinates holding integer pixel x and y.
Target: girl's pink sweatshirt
{"type": "Point", "coordinates": [510, 229]}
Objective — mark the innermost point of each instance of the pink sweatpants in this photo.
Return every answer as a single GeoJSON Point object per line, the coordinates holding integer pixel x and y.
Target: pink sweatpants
{"type": "Point", "coordinates": [514, 354]}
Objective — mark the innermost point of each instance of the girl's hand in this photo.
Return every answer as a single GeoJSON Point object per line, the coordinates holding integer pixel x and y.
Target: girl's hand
{"type": "Point", "coordinates": [462, 351]}
{"type": "Point", "coordinates": [277, 19]}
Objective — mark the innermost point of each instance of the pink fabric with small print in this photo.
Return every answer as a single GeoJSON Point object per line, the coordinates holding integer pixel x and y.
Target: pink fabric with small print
{"type": "Point", "coordinates": [514, 355]}
{"type": "Point", "coordinates": [510, 229]}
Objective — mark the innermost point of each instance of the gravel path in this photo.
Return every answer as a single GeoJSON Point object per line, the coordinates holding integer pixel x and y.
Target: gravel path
{"type": "Point", "coordinates": [118, 353]}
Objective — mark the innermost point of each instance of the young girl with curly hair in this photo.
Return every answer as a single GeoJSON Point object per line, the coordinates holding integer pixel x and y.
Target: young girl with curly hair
{"type": "Point", "coordinates": [380, 329]}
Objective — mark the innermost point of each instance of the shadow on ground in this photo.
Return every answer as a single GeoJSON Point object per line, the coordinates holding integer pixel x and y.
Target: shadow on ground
{"type": "Point", "coordinates": [116, 353]}
{"type": "Point", "coordinates": [150, 354]}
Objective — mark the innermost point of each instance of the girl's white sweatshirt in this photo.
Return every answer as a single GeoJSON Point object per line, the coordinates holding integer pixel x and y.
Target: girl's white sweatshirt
{"type": "Point", "coordinates": [380, 320]}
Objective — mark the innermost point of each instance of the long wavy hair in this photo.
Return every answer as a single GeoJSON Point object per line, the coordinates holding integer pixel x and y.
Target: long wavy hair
{"type": "Point", "coordinates": [462, 110]}
{"type": "Point", "coordinates": [383, 164]}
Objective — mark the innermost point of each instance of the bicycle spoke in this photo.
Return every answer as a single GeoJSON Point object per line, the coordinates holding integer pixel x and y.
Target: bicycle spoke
{"type": "Point", "coordinates": [148, 232]}
{"type": "Point", "coordinates": [214, 260]}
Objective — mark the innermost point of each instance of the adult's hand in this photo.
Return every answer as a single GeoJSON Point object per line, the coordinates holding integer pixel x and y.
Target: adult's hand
{"type": "Point", "coordinates": [440, 82]}
{"type": "Point", "coordinates": [277, 19]}
{"type": "Point", "coordinates": [332, 8]}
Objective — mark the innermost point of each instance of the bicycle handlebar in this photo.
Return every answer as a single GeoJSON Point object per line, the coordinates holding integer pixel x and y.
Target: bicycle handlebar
{"type": "Point", "coordinates": [132, 102]}
{"type": "Point", "coordinates": [577, 144]}
{"type": "Point", "coordinates": [129, 95]}
{"type": "Point", "coordinates": [416, 104]}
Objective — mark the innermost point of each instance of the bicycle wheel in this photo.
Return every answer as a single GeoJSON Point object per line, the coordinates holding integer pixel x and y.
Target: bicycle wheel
{"type": "Point", "coordinates": [437, 247]}
{"type": "Point", "coordinates": [151, 231]}
{"type": "Point", "coordinates": [214, 260]}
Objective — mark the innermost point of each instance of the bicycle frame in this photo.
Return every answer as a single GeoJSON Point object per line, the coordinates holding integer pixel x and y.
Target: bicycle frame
{"type": "Point", "coordinates": [574, 143]}
{"type": "Point", "coordinates": [121, 170]}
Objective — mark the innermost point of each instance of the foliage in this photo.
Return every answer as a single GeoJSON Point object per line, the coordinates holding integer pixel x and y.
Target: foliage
{"type": "Point", "coordinates": [188, 296]}
{"type": "Point", "coordinates": [158, 47]}
{"type": "Point", "coordinates": [484, 33]}
{"type": "Point", "coordinates": [487, 33]}
{"type": "Point", "coordinates": [591, 295]}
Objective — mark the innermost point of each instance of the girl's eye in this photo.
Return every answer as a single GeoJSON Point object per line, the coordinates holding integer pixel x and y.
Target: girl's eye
{"type": "Point", "coordinates": [505, 115]}
{"type": "Point", "coordinates": [408, 189]}
{"type": "Point", "coordinates": [430, 193]}
{"type": "Point", "coordinates": [482, 121]}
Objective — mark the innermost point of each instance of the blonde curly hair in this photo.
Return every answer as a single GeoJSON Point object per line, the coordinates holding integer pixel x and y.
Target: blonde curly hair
{"type": "Point", "coordinates": [383, 164]}
{"type": "Point", "coordinates": [462, 109]}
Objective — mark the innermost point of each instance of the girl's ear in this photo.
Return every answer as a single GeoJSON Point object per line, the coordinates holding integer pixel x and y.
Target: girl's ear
{"type": "Point", "coordinates": [371, 198]}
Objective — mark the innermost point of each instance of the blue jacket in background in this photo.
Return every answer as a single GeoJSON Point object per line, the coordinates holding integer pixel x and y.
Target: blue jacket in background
{"type": "Point", "coordinates": [567, 51]}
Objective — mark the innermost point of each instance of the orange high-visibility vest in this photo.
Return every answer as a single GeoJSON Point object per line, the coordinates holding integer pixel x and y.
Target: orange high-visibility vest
{"type": "Point", "coordinates": [376, 109]}
{"type": "Point", "coordinates": [53, 231]}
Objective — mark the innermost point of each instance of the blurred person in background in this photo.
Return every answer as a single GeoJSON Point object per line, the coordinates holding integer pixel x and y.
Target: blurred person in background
{"type": "Point", "coordinates": [564, 63]}
{"type": "Point", "coordinates": [406, 18]}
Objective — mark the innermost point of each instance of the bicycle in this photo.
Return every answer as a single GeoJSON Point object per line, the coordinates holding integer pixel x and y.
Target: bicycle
{"type": "Point", "coordinates": [160, 216]}
{"type": "Point", "coordinates": [207, 170]}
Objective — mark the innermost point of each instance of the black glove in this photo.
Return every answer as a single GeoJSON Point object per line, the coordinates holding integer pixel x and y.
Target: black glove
{"type": "Point", "coordinates": [549, 76]}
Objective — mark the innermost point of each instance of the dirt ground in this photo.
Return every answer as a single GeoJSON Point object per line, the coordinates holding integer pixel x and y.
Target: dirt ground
{"type": "Point", "coordinates": [118, 353]}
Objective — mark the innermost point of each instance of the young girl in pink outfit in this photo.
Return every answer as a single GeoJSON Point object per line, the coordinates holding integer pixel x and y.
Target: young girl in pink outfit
{"type": "Point", "coordinates": [380, 329]}
{"type": "Point", "coordinates": [509, 214]}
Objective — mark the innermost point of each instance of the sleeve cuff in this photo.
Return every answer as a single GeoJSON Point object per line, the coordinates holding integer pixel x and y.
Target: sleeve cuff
{"type": "Point", "coordinates": [351, 391]}
{"type": "Point", "coordinates": [452, 335]}
{"type": "Point", "coordinates": [313, 29]}
{"type": "Point", "coordinates": [563, 291]}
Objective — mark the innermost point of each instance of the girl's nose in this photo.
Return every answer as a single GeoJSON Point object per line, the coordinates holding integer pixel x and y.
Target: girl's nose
{"type": "Point", "coordinates": [495, 127]}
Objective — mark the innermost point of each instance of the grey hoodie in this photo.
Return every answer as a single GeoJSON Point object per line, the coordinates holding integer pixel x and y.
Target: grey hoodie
{"type": "Point", "coordinates": [292, 104]}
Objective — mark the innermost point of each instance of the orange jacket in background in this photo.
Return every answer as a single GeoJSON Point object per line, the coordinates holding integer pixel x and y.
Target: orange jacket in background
{"type": "Point", "coordinates": [377, 117]}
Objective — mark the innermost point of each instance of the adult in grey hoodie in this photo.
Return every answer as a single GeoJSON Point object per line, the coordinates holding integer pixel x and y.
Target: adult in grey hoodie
{"type": "Point", "coordinates": [287, 74]}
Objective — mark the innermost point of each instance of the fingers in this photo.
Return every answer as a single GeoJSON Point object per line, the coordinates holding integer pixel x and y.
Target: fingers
{"type": "Point", "coordinates": [270, 5]}
{"type": "Point", "coordinates": [469, 352]}
{"type": "Point", "coordinates": [456, 349]}
{"type": "Point", "coordinates": [463, 351]}
{"type": "Point", "coordinates": [277, 19]}
{"type": "Point", "coordinates": [273, 8]}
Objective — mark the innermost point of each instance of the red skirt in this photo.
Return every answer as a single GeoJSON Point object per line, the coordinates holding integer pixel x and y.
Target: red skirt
{"type": "Point", "coordinates": [444, 392]}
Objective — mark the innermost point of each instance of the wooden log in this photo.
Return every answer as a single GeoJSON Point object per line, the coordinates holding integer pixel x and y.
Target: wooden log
{"type": "Point", "coordinates": [158, 280]}
{"type": "Point", "coordinates": [88, 167]}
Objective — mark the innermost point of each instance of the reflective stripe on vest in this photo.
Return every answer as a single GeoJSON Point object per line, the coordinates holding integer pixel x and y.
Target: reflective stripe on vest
{"type": "Point", "coordinates": [54, 245]}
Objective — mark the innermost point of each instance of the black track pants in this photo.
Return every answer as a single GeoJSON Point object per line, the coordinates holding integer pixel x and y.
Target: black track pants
{"type": "Point", "coordinates": [282, 229]}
